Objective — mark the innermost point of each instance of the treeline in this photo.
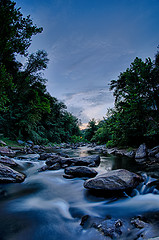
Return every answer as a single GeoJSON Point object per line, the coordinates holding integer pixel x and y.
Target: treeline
{"type": "Point", "coordinates": [135, 116]}
{"type": "Point", "coordinates": [27, 110]}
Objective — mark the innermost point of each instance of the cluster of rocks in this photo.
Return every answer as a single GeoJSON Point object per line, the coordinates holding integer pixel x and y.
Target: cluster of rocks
{"type": "Point", "coordinates": [74, 167]}
{"type": "Point", "coordinates": [140, 154]}
{"type": "Point", "coordinates": [112, 228]}
{"type": "Point", "coordinates": [7, 172]}
{"type": "Point", "coordinates": [112, 182]}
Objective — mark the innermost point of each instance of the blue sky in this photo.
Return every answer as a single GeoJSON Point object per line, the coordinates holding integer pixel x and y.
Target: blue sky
{"type": "Point", "coordinates": [89, 42]}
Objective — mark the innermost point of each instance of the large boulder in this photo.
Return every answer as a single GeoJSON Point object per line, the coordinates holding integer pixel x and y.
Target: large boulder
{"type": "Point", "coordinates": [8, 161]}
{"type": "Point", "coordinates": [114, 181]}
{"type": "Point", "coordinates": [141, 152]}
{"type": "Point", "coordinates": [8, 175]}
{"type": "Point", "coordinates": [90, 161]}
{"type": "Point", "coordinates": [80, 171]}
{"type": "Point", "coordinates": [5, 151]}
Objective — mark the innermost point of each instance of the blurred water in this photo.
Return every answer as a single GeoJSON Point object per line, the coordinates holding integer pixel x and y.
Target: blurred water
{"type": "Point", "coordinates": [48, 206]}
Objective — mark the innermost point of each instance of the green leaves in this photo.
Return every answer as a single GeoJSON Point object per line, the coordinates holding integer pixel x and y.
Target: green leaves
{"type": "Point", "coordinates": [135, 103]}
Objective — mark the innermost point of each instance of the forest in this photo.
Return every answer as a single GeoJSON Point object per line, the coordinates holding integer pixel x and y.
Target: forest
{"type": "Point", "coordinates": [29, 112]}
{"type": "Point", "coordinates": [135, 116]}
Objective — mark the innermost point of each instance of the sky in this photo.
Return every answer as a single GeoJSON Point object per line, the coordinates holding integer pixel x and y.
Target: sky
{"type": "Point", "coordinates": [89, 42]}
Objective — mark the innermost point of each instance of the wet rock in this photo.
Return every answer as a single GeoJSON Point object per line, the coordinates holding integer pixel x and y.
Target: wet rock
{"type": "Point", "coordinates": [111, 228]}
{"type": "Point", "coordinates": [81, 171]}
{"type": "Point", "coordinates": [111, 151]}
{"type": "Point", "coordinates": [157, 156]}
{"type": "Point", "coordinates": [55, 166]}
{"type": "Point", "coordinates": [8, 175]}
{"type": "Point", "coordinates": [8, 161]}
{"type": "Point", "coordinates": [68, 176]}
{"type": "Point", "coordinates": [44, 168]}
{"type": "Point", "coordinates": [52, 160]}
{"type": "Point", "coordinates": [152, 152]}
{"type": "Point", "coordinates": [141, 152]}
{"type": "Point", "coordinates": [2, 143]}
{"type": "Point", "coordinates": [36, 147]}
{"type": "Point", "coordinates": [44, 156]}
{"type": "Point", "coordinates": [138, 223]}
{"type": "Point", "coordinates": [63, 154]}
{"type": "Point", "coordinates": [130, 154]}
{"type": "Point", "coordinates": [30, 142]}
{"type": "Point", "coordinates": [93, 160]}
{"type": "Point", "coordinates": [21, 142]}
{"type": "Point", "coordinates": [114, 181]}
{"type": "Point", "coordinates": [4, 151]}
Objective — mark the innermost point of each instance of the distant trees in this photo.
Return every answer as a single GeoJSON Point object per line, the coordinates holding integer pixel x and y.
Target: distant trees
{"type": "Point", "coordinates": [27, 110]}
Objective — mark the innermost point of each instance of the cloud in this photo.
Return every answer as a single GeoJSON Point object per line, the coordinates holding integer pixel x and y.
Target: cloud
{"type": "Point", "coordinates": [89, 104]}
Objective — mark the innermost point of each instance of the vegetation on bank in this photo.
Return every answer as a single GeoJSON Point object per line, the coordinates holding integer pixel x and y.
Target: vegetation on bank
{"type": "Point", "coordinates": [135, 116]}
{"type": "Point", "coordinates": [27, 110]}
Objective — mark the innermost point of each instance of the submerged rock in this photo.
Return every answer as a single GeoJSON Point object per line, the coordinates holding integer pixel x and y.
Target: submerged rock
{"type": "Point", "coordinates": [114, 181]}
{"type": "Point", "coordinates": [81, 171]}
{"type": "Point", "coordinates": [8, 175]}
{"type": "Point", "coordinates": [92, 161]}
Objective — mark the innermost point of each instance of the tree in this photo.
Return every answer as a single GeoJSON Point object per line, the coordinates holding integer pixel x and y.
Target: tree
{"type": "Point", "coordinates": [27, 110]}
{"type": "Point", "coordinates": [91, 129]}
{"type": "Point", "coordinates": [15, 34]}
{"type": "Point", "coordinates": [135, 115]}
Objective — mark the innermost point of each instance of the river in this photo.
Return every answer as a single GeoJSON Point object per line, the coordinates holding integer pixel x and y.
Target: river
{"type": "Point", "coordinates": [48, 206]}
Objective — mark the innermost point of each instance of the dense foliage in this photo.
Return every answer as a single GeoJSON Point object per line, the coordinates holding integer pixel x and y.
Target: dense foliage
{"type": "Point", "coordinates": [27, 110]}
{"type": "Point", "coordinates": [135, 116]}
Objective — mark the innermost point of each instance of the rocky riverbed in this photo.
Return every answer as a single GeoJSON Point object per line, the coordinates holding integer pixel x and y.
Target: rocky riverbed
{"type": "Point", "coordinates": [82, 193]}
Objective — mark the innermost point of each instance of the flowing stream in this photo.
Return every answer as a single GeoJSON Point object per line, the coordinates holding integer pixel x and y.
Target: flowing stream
{"type": "Point", "coordinates": [48, 206]}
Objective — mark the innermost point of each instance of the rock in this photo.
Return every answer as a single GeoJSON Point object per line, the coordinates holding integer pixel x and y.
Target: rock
{"type": "Point", "coordinates": [44, 156]}
{"type": "Point", "coordinates": [138, 223]}
{"type": "Point", "coordinates": [68, 176]}
{"type": "Point", "coordinates": [63, 154]}
{"type": "Point", "coordinates": [157, 156]}
{"type": "Point", "coordinates": [111, 151]}
{"type": "Point", "coordinates": [111, 228]}
{"type": "Point", "coordinates": [16, 148]}
{"type": "Point", "coordinates": [114, 181]}
{"type": "Point", "coordinates": [21, 142]}
{"type": "Point", "coordinates": [130, 154]}
{"type": "Point", "coordinates": [36, 147]}
{"type": "Point", "coordinates": [2, 143]}
{"type": "Point", "coordinates": [4, 151]}
{"type": "Point", "coordinates": [8, 175]}
{"type": "Point", "coordinates": [8, 161]}
{"type": "Point", "coordinates": [44, 168]}
{"type": "Point", "coordinates": [55, 166]}
{"type": "Point", "coordinates": [93, 160]}
{"type": "Point", "coordinates": [152, 152]}
{"type": "Point", "coordinates": [52, 160]}
{"type": "Point", "coordinates": [30, 142]}
{"type": "Point", "coordinates": [141, 152]}
{"type": "Point", "coordinates": [81, 171]}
